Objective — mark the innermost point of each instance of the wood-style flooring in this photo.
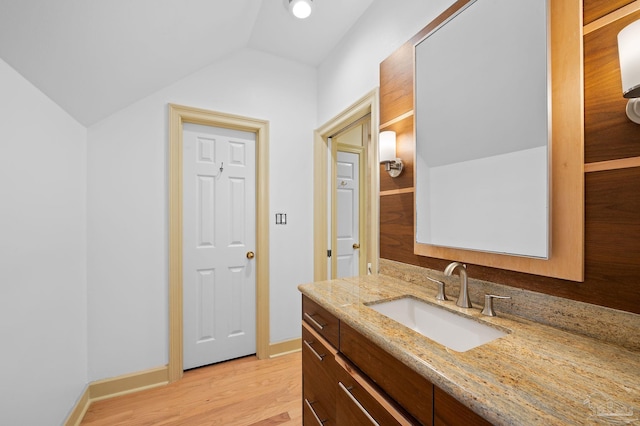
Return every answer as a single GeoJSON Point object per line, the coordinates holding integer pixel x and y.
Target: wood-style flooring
{"type": "Point", "coordinates": [242, 392]}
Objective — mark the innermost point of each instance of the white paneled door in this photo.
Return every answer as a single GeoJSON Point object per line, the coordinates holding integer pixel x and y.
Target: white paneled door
{"type": "Point", "coordinates": [348, 214]}
{"type": "Point", "coordinates": [219, 232]}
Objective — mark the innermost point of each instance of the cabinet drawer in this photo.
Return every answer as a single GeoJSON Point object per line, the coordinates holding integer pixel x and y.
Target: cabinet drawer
{"type": "Point", "coordinates": [404, 385]}
{"type": "Point", "coordinates": [321, 320]}
{"type": "Point", "coordinates": [318, 378]}
{"type": "Point", "coordinates": [360, 402]}
{"type": "Point", "coordinates": [315, 414]}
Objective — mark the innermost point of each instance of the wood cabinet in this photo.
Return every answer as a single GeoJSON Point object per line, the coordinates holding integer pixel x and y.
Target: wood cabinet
{"type": "Point", "coordinates": [319, 348]}
{"type": "Point", "coordinates": [359, 401]}
{"type": "Point", "coordinates": [449, 412]}
{"type": "Point", "coordinates": [355, 382]}
{"type": "Point", "coordinates": [318, 379]}
{"type": "Point", "coordinates": [404, 385]}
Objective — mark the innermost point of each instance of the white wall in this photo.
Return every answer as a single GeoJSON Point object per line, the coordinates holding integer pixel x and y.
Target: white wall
{"type": "Point", "coordinates": [352, 69]}
{"type": "Point", "coordinates": [42, 256]}
{"type": "Point", "coordinates": [127, 205]}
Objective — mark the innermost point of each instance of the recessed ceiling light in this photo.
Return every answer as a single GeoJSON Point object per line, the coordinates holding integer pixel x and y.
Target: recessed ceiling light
{"type": "Point", "coordinates": [301, 8]}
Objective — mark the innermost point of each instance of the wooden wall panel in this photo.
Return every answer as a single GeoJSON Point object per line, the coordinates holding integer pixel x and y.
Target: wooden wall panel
{"type": "Point", "coordinates": [396, 232]}
{"type": "Point", "coordinates": [396, 84]}
{"type": "Point", "coordinates": [595, 9]}
{"type": "Point", "coordinates": [612, 203]}
{"type": "Point", "coordinates": [396, 228]}
{"type": "Point", "coordinates": [613, 233]}
{"type": "Point", "coordinates": [609, 134]}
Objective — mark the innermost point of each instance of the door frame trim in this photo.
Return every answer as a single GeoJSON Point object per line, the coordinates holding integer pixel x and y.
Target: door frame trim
{"type": "Point", "coordinates": [178, 115]}
{"type": "Point", "coordinates": [368, 104]}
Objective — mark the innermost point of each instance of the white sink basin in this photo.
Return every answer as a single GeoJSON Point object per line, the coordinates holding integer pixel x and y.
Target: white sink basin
{"type": "Point", "coordinates": [453, 331]}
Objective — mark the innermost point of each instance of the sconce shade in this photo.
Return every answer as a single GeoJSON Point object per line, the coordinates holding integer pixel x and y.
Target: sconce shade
{"type": "Point", "coordinates": [629, 51]}
{"type": "Point", "coordinates": [387, 144]}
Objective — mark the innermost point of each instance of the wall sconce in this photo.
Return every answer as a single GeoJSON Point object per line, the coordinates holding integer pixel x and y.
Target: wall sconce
{"type": "Point", "coordinates": [387, 146]}
{"type": "Point", "coordinates": [629, 51]}
{"type": "Point", "coordinates": [301, 9]}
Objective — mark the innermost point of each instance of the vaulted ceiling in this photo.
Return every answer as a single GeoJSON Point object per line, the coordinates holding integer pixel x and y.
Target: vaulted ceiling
{"type": "Point", "coordinates": [94, 57]}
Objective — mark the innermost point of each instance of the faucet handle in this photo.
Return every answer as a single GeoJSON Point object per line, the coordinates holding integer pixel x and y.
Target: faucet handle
{"type": "Point", "coordinates": [441, 294]}
{"type": "Point", "coordinates": [488, 304]}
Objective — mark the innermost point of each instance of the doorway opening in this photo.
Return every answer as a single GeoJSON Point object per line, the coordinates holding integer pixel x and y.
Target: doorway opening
{"type": "Point", "coordinates": [325, 159]}
{"type": "Point", "coordinates": [178, 116]}
{"type": "Point", "coordinates": [348, 198]}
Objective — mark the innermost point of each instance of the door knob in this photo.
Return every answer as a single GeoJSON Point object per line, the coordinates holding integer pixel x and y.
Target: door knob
{"type": "Point", "coordinates": [250, 255]}
{"type": "Point", "coordinates": [356, 246]}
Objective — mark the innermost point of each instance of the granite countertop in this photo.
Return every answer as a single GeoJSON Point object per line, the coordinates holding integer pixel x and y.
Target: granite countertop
{"type": "Point", "coordinates": [535, 375]}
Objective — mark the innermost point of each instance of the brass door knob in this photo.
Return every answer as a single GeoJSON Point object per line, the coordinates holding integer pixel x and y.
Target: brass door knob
{"type": "Point", "coordinates": [356, 246]}
{"type": "Point", "coordinates": [250, 255]}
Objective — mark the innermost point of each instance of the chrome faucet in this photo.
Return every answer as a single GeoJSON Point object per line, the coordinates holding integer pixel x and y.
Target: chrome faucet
{"type": "Point", "coordinates": [463, 298]}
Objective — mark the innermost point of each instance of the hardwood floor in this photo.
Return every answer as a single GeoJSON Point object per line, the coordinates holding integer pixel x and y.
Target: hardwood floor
{"type": "Point", "coordinates": [246, 391]}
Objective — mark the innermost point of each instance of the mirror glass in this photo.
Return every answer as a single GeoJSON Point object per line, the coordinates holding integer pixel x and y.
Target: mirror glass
{"type": "Point", "coordinates": [482, 108]}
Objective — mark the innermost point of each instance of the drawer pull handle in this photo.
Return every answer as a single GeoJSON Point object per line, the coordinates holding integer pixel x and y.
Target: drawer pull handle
{"type": "Point", "coordinates": [320, 357]}
{"type": "Point", "coordinates": [316, 323]}
{"type": "Point", "coordinates": [355, 401]}
{"type": "Point", "coordinates": [320, 422]}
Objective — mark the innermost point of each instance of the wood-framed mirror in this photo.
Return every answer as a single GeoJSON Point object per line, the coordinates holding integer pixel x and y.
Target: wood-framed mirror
{"type": "Point", "coordinates": [559, 249]}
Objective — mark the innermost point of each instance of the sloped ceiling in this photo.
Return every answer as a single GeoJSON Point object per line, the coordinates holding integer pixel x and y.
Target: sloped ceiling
{"type": "Point", "coordinates": [94, 57]}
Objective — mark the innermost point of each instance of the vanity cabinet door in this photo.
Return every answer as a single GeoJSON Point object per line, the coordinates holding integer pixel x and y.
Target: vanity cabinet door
{"type": "Point", "coordinates": [360, 402]}
{"type": "Point", "coordinates": [318, 379]}
{"type": "Point", "coordinates": [450, 412]}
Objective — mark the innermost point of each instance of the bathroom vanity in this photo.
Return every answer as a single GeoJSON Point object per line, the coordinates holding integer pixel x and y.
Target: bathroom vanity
{"type": "Point", "coordinates": [362, 367]}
